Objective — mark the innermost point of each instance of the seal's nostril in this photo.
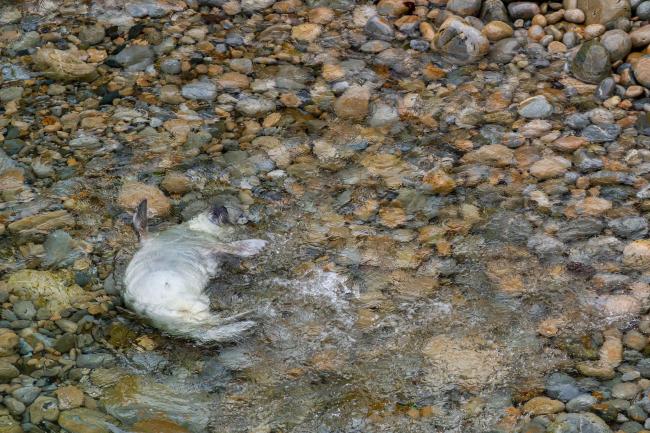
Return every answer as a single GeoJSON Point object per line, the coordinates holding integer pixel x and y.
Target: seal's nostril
{"type": "Point", "coordinates": [219, 215]}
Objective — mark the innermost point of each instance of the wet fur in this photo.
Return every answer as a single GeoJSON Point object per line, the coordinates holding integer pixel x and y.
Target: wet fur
{"type": "Point", "coordinates": [166, 279]}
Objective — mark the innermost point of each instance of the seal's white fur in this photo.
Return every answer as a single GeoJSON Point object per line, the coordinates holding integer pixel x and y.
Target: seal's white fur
{"type": "Point", "coordinates": [166, 278]}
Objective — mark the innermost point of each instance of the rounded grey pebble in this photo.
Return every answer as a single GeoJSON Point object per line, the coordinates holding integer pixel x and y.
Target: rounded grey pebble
{"type": "Point", "coordinates": [581, 403]}
{"type": "Point", "coordinates": [561, 386]}
{"type": "Point", "coordinates": [25, 310]}
{"type": "Point", "coordinates": [631, 227]}
{"type": "Point", "coordinates": [95, 360]}
{"type": "Point", "coordinates": [26, 394]}
{"type": "Point", "coordinates": [14, 406]}
{"type": "Point", "coordinates": [170, 66]}
{"type": "Point", "coordinates": [643, 10]}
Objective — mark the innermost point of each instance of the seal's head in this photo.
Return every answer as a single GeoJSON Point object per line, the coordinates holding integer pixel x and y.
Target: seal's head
{"type": "Point", "coordinates": [215, 220]}
{"type": "Point", "coordinates": [219, 215]}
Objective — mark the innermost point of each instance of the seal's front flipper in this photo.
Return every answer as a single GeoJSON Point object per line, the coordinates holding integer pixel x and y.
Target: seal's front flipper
{"type": "Point", "coordinates": [247, 248]}
{"type": "Point", "coordinates": [140, 220]}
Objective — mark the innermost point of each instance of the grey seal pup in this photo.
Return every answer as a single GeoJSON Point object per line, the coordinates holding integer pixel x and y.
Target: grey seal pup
{"type": "Point", "coordinates": [165, 280]}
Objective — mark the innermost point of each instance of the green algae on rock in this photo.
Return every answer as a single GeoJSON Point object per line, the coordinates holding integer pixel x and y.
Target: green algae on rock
{"type": "Point", "coordinates": [54, 290]}
{"type": "Point", "coordinates": [591, 63]}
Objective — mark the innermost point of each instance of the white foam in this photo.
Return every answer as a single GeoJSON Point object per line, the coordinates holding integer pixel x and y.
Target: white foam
{"type": "Point", "coordinates": [328, 285]}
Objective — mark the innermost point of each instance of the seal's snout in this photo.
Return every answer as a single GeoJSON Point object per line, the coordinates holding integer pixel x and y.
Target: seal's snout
{"type": "Point", "coordinates": [219, 215]}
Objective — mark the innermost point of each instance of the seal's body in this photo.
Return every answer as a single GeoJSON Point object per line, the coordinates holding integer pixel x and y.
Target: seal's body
{"type": "Point", "coordinates": [166, 279]}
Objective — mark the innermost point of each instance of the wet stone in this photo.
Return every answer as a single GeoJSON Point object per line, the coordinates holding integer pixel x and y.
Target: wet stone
{"type": "Point", "coordinates": [586, 161]}
{"type": "Point", "coordinates": [379, 28]}
{"type": "Point", "coordinates": [170, 66]}
{"type": "Point", "coordinates": [576, 422]}
{"type": "Point", "coordinates": [606, 89]}
{"type": "Point", "coordinates": [15, 407]}
{"type": "Point", "coordinates": [494, 10]}
{"type": "Point", "coordinates": [581, 403]}
{"type": "Point", "coordinates": [11, 93]}
{"type": "Point", "coordinates": [631, 375]}
{"type": "Point", "coordinates": [601, 133]}
{"type": "Point", "coordinates": [580, 228]}
{"type": "Point", "coordinates": [561, 386]}
{"type": "Point", "coordinates": [543, 406]}
{"type": "Point", "coordinates": [625, 390]}
{"type": "Point", "coordinates": [636, 413]}
{"type": "Point", "coordinates": [640, 37]}
{"type": "Point", "coordinates": [536, 107]}
{"type": "Point", "coordinates": [577, 121]}
{"type": "Point", "coordinates": [134, 58]}
{"type": "Point", "coordinates": [353, 104]}
{"type": "Point", "coordinates": [69, 397]}
{"type": "Point", "coordinates": [464, 7]}
{"type": "Point", "coordinates": [9, 425]}
{"type": "Point", "coordinates": [643, 123]}
{"type": "Point", "coordinates": [200, 90]}
{"type": "Point", "coordinates": [508, 227]}
{"type": "Point", "coordinates": [43, 408]}
{"type": "Point", "coordinates": [547, 168]}
{"type": "Point", "coordinates": [642, 70]}
{"type": "Point", "coordinates": [504, 50]}
{"type": "Point", "coordinates": [629, 227]}
{"type": "Point", "coordinates": [132, 193]}
{"type": "Point", "coordinates": [59, 249]}
{"type": "Point", "coordinates": [65, 343]}
{"type": "Point", "coordinates": [460, 43]}
{"type": "Point", "coordinates": [617, 43]}
{"type": "Point", "coordinates": [7, 372]}
{"type": "Point", "coordinates": [144, 8]}
{"type": "Point", "coordinates": [523, 10]}
{"type": "Point", "coordinates": [643, 10]}
{"type": "Point", "coordinates": [497, 30]}
{"type": "Point", "coordinates": [25, 310]}
{"type": "Point", "coordinates": [546, 246]}
{"type": "Point", "coordinates": [254, 106]}
{"type": "Point", "coordinates": [591, 64]}
{"type": "Point", "coordinates": [26, 394]}
{"type": "Point", "coordinates": [95, 360]}
{"type": "Point", "coordinates": [92, 35]}
{"type": "Point", "coordinates": [631, 427]}
{"type": "Point", "coordinates": [83, 420]}
{"type": "Point", "coordinates": [10, 15]}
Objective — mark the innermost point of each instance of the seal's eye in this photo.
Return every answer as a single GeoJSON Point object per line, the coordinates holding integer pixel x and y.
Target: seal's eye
{"type": "Point", "coordinates": [219, 215]}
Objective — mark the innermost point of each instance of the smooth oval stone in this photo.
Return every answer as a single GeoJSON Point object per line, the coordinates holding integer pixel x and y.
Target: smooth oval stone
{"type": "Point", "coordinates": [464, 7]}
{"type": "Point", "coordinates": [605, 89]}
{"type": "Point", "coordinates": [460, 43]}
{"type": "Point", "coordinates": [604, 11]}
{"type": "Point", "coordinates": [494, 10]}
{"type": "Point", "coordinates": [591, 63]}
{"type": "Point", "coordinates": [617, 43]}
{"type": "Point", "coordinates": [504, 50]}
{"type": "Point", "coordinates": [601, 133]}
{"type": "Point", "coordinates": [581, 403]}
{"type": "Point", "coordinates": [643, 10]}
{"type": "Point", "coordinates": [523, 10]}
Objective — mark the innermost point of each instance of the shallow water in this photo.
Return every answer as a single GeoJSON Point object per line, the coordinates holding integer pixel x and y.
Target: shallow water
{"type": "Point", "coordinates": [362, 328]}
{"type": "Point", "coordinates": [402, 289]}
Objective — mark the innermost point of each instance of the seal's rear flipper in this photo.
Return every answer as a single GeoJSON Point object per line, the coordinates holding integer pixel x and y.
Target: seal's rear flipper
{"type": "Point", "coordinates": [140, 220]}
{"type": "Point", "coordinates": [247, 248]}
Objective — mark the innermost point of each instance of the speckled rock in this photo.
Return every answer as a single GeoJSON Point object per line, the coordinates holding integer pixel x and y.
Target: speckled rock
{"type": "Point", "coordinates": [617, 43]}
{"type": "Point", "coordinates": [132, 193]}
{"type": "Point", "coordinates": [353, 104]}
{"type": "Point", "coordinates": [591, 63]}
{"type": "Point", "coordinates": [460, 43]}
{"type": "Point", "coordinates": [604, 11]}
{"type": "Point", "coordinates": [83, 420]}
